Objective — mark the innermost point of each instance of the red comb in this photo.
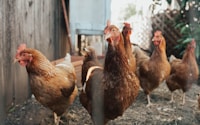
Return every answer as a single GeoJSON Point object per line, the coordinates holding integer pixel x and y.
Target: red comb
{"type": "Point", "coordinates": [127, 25]}
{"type": "Point", "coordinates": [21, 47]}
{"type": "Point", "coordinates": [158, 32]}
{"type": "Point", "coordinates": [193, 42]}
{"type": "Point", "coordinates": [108, 23]}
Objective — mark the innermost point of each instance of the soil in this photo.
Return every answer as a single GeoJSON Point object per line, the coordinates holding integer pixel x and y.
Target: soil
{"type": "Point", "coordinates": [161, 113]}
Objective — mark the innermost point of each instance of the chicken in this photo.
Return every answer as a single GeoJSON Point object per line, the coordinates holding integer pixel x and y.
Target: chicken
{"type": "Point", "coordinates": [156, 69]}
{"type": "Point", "coordinates": [90, 59]}
{"type": "Point", "coordinates": [126, 32]}
{"type": "Point", "coordinates": [183, 72]}
{"type": "Point", "coordinates": [110, 90]}
{"type": "Point", "coordinates": [53, 86]}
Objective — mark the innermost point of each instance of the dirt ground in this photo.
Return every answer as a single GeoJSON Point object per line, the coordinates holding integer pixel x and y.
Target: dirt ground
{"type": "Point", "coordinates": [161, 113]}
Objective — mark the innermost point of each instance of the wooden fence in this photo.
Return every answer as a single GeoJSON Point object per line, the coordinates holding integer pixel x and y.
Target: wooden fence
{"type": "Point", "coordinates": [38, 23]}
{"type": "Point", "coordinates": [164, 22]}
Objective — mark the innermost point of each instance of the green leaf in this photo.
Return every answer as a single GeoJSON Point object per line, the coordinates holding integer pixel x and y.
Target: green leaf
{"type": "Point", "coordinates": [183, 3]}
{"type": "Point", "coordinates": [169, 1]}
{"type": "Point", "coordinates": [11, 109]}
{"type": "Point", "coordinates": [178, 46]}
{"type": "Point", "coordinates": [180, 25]}
{"type": "Point", "coordinates": [187, 40]}
{"type": "Point", "coordinates": [184, 30]}
{"type": "Point", "coordinates": [180, 40]}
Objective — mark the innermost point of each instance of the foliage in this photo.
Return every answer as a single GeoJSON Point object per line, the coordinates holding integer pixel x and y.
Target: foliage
{"type": "Point", "coordinates": [188, 22]}
{"type": "Point", "coordinates": [130, 10]}
{"type": "Point", "coordinates": [169, 1]}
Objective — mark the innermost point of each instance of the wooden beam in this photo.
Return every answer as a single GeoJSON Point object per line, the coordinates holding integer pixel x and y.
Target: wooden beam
{"type": "Point", "coordinates": [67, 24]}
{"type": "Point", "coordinates": [76, 60]}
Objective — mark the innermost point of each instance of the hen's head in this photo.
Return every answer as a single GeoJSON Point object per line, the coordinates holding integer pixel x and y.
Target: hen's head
{"type": "Point", "coordinates": [112, 34]}
{"type": "Point", "coordinates": [158, 38]}
{"type": "Point", "coordinates": [192, 45]}
{"type": "Point", "coordinates": [127, 30]}
{"type": "Point", "coordinates": [89, 52]}
{"type": "Point", "coordinates": [23, 57]}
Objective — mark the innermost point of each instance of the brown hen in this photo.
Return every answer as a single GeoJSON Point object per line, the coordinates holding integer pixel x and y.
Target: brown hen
{"type": "Point", "coordinates": [154, 70]}
{"type": "Point", "coordinates": [53, 86]}
{"type": "Point", "coordinates": [110, 91]}
{"type": "Point", "coordinates": [126, 32]}
{"type": "Point", "coordinates": [184, 71]}
{"type": "Point", "coordinates": [90, 60]}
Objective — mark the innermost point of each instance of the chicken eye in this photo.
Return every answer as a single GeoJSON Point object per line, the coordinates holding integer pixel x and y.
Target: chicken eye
{"type": "Point", "coordinates": [23, 54]}
{"type": "Point", "coordinates": [113, 30]}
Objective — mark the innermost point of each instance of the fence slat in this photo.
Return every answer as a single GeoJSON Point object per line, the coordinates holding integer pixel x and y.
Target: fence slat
{"type": "Point", "coordinates": [163, 21]}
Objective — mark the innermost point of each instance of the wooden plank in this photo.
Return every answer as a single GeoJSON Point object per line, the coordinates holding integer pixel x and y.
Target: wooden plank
{"type": "Point", "coordinates": [7, 65]}
{"type": "Point", "coordinates": [42, 38]}
{"type": "Point", "coordinates": [51, 42]}
{"type": "Point", "coordinates": [24, 34]}
{"type": "Point", "coordinates": [2, 80]}
{"type": "Point", "coordinates": [76, 61]}
{"type": "Point", "coordinates": [59, 31]}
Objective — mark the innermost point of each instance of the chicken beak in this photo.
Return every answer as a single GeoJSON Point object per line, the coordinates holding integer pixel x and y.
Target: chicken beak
{"type": "Point", "coordinates": [107, 36]}
{"type": "Point", "coordinates": [86, 49]}
{"type": "Point", "coordinates": [83, 53]}
{"type": "Point", "coordinates": [15, 60]}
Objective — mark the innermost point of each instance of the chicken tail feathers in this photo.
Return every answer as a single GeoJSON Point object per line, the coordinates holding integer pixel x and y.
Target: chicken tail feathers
{"type": "Point", "coordinates": [172, 58]}
{"type": "Point", "coordinates": [66, 62]}
{"type": "Point", "coordinates": [68, 57]}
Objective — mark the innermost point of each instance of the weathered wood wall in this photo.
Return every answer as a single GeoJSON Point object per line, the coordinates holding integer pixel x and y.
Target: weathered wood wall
{"type": "Point", "coordinates": [39, 24]}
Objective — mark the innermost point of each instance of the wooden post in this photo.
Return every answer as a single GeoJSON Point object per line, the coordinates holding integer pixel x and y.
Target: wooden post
{"type": "Point", "coordinates": [67, 25]}
{"type": "Point", "coordinates": [79, 45]}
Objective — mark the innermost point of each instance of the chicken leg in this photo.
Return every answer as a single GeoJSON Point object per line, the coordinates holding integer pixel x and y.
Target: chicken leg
{"type": "Point", "coordinates": [149, 101]}
{"type": "Point", "coordinates": [172, 98]}
{"type": "Point", "coordinates": [183, 98]}
{"type": "Point", "coordinates": [56, 119]}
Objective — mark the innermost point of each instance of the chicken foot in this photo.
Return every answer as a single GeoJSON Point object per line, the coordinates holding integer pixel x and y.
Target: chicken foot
{"type": "Point", "coordinates": [57, 119]}
{"type": "Point", "coordinates": [172, 98]}
{"type": "Point", "coordinates": [183, 96]}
